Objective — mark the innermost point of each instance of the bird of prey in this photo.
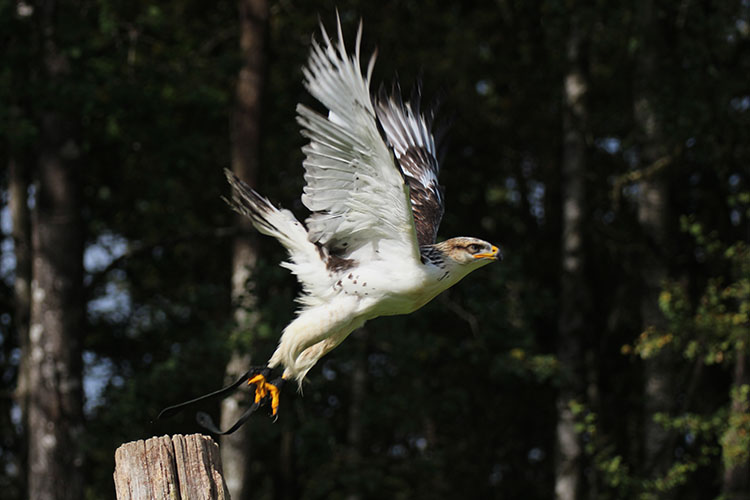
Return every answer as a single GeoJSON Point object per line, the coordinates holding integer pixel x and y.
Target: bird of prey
{"type": "Point", "coordinates": [368, 248]}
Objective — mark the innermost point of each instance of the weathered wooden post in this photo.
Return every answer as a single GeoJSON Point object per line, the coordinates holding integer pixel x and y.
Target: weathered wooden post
{"type": "Point", "coordinates": [176, 468]}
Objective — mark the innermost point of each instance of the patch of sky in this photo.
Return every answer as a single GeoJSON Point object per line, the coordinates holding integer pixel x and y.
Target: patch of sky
{"type": "Point", "coordinates": [397, 451]}
{"type": "Point", "coordinates": [7, 261]}
{"type": "Point", "coordinates": [611, 145]}
{"type": "Point", "coordinates": [536, 455]}
{"type": "Point", "coordinates": [632, 191]}
{"type": "Point", "coordinates": [96, 375]}
{"type": "Point", "coordinates": [6, 223]}
{"type": "Point", "coordinates": [740, 103]}
{"type": "Point", "coordinates": [734, 181]}
{"type": "Point", "coordinates": [735, 217]}
{"type": "Point", "coordinates": [115, 304]}
{"type": "Point", "coordinates": [513, 195]}
{"type": "Point", "coordinates": [418, 442]}
{"type": "Point", "coordinates": [104, 251]}
{"type": "Point", "coordinates": [7, 257]}
{"type": "Point", "coordinates": [483, 87]}
{"type": "Point", "coordinates": [536, 199]}
{"type": "Point", "coordinates": [144, 318]}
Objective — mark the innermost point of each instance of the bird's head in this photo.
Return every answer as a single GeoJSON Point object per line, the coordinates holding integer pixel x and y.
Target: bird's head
{"type": "Point", "coordinates": [470, 252]}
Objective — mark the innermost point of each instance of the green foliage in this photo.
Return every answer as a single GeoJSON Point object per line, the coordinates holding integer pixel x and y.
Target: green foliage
{"type": "Point", "coordinates": [735, 442]}
{"type": "Point", "coordinates": [708, 330]}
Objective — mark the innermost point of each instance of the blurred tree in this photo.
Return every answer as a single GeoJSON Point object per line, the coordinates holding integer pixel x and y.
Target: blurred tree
{"type": "Point", "coordinates": [55, 386]}
{"type": "Point", "coordinates": [236, 451]}
{"type": "Point", "coordinates": [653, 215]}
{"type": "Point", "coordinates": [574, 300]}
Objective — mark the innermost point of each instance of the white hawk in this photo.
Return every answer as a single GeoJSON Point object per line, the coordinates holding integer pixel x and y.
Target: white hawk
{"type": "Point", "coordinates": [368, 247]}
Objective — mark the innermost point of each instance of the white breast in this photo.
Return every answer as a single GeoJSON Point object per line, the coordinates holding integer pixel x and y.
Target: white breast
{"type": "Point", "coordinates": [394, 289]}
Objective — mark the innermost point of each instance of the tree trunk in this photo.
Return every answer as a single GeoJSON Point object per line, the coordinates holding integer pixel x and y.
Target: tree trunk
{"type": "Point", "coordinates": [54, 388]}
{"type": "Point", "coordinates": [56, 325]}
{"type": "Point", "coordinates": [736, 480]}
{"type": "Point", "coordinates": [657, 370]}
{"type": "Point", "coordinates": [573, 299]}
{"type": "Point", "coordinates": [653, 218]}
{"type": "Point", "coordinates": [179, 468]}
{"type": "Point", "coordinates": [253, 15]}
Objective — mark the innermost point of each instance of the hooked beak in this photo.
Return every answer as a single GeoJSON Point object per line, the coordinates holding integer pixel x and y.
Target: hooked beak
{"type": "Point", "coordinates": [493, 254]}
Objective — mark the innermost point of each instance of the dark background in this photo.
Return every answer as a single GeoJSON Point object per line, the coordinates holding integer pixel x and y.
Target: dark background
{"type": "Point", "coordinates": [602, 145]}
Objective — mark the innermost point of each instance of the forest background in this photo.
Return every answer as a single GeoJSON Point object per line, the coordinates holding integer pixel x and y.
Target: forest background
{"type": "Point", "coordinates": [605, 146]}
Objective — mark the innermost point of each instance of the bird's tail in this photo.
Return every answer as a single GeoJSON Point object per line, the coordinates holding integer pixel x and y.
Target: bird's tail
{"type": "Point", "coordinates": [269, 220]}
{"type": "Point", "coordinates": [305, 256]}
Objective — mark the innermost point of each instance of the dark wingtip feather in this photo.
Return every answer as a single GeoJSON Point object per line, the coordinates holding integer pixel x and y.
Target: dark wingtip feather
{"type": "Point", "coordinates": [416, 156]}
{"type": "Point", "coordinates": [248, 202]}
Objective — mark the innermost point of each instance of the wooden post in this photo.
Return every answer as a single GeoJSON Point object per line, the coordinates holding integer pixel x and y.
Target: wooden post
{"type": "Point", "coordinates": [176, 468]}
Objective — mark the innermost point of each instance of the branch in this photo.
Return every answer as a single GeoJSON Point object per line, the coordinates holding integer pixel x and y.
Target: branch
{"type": "Point", "coordinates": [642, 174]}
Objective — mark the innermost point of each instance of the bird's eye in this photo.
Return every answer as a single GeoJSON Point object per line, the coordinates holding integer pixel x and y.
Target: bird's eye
{"type": "Point", "coordinates": [474, 248]}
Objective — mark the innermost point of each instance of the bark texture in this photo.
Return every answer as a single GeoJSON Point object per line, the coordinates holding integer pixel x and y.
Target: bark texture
{"type": "Point", "coordinates": [179, 468]}
{"type": "Point", "coordinates": [653, 218]}
{"type": "Point", "coordinates": [55, 415]}
{"type": "Point", "coordinates": [571, 323]}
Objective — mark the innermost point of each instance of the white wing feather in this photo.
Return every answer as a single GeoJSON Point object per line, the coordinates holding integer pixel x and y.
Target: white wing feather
{"type": "Point", "coordinates": [353, 187]}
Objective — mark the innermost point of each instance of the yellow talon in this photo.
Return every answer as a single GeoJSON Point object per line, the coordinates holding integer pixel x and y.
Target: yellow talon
{"type": "Point", "coordinates": [264, 388]}
{"type": "Point", "coordinates": [274, 399]}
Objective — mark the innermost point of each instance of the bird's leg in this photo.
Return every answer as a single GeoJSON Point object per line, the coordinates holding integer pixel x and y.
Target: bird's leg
{"type": "Point", "coordinates": [265, 389]}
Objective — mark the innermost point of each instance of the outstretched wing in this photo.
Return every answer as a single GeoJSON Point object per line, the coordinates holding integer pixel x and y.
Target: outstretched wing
{"type": "Point", "coordinates": [409, 133]}
{"type": "Point", "coordinates": [355, 191]}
